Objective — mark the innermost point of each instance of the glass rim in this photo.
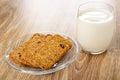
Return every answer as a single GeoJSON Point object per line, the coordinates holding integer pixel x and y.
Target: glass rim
{"type": "Point", "coordinates": [99, 2]}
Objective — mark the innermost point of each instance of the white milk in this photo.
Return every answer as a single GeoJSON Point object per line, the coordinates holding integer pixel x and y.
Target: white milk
{"type": "Point", "coordinates": [95, 30]}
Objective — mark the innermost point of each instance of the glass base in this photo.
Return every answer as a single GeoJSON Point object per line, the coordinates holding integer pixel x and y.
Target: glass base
{"type": "Point", "coordinates": [99, 52]}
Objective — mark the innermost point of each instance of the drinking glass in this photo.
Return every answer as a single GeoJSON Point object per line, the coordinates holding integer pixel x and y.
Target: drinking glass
{"type": "Point", "coordinates": [95, 26]}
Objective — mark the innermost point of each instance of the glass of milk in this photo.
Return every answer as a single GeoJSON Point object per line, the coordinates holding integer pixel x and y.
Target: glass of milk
{"type": "Point", "coordinates": [95, 26]}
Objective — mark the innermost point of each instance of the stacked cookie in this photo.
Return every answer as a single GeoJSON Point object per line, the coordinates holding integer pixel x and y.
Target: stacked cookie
{"type": "Point", "coordinates": [41, 51]}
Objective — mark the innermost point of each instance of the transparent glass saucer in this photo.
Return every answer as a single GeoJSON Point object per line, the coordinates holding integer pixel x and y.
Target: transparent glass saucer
{"type": "Point", "coordinates": [67, 59]}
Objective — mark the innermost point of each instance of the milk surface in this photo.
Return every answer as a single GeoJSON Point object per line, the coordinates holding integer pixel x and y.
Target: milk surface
{"type": "Point", "coordinates": [95, 30]}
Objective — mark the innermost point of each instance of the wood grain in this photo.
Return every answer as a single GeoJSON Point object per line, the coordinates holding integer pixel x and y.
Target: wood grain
{"type": "Point", "coordinates": [19, 17]}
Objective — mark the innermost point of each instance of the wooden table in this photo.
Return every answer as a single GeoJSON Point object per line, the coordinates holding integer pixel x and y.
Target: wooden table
{"type": "Point", "coordinates": [19, 17]}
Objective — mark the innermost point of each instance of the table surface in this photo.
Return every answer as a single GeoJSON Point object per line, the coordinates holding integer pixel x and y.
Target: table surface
{"type": "Point", "coordinates": [20, 17]}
